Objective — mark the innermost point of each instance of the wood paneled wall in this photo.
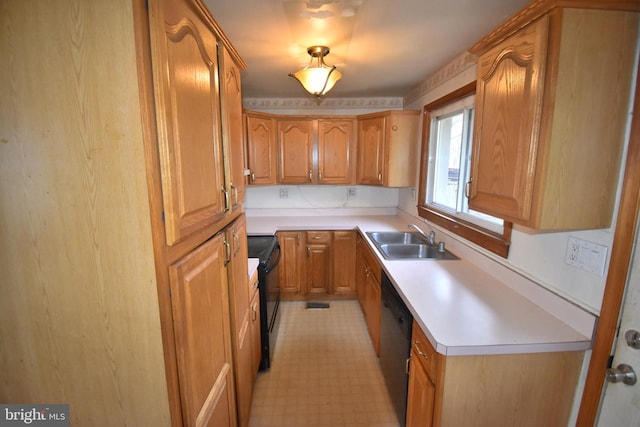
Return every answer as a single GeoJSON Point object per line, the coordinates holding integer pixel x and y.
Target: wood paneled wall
{"type": "Point", "coordinates": [79, 320]}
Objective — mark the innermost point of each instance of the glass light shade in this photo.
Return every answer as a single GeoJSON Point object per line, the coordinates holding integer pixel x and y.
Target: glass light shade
{"type": "Point", "coordinates": [317, 78]}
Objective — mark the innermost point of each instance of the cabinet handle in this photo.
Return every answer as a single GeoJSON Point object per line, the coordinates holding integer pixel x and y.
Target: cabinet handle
{"type": "Point", "coordinates": [467, 188]}
{"type": "Point", "coordinates": [255, 313]}
{"type": "Point", "coordinates": [226, 199]}
{"type": "Point", "coordinates": [234, 192]}
{"type": "Point", "coordinates": [420, 353]}
{"type": "Point", "coordinates": [406, 365]}
{"type": "Point", "coordinates": [380, 176]}
{"type": "Point", "coordinates": [253, 177]}
{"type": "Point", "coordinates": [310, 175]}
{"type": "Point", "coordinates": [320, 175]}
{"type": "Point", "coordinates": [236, 243]}
{"type": "Point", "coordinates": [227, 248]}
{"type": "Point", "coordinates": [308, 251]}
{"type": "Point", "coordinates": [317, 237]}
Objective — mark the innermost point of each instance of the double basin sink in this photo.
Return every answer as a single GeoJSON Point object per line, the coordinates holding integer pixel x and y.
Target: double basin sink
{"type": "Point", "coordinates": [398, 245]}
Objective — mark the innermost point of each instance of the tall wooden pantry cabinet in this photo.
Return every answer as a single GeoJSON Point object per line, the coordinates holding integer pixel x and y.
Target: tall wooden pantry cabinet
{"type": "Point", "coordinates": [120, 198]}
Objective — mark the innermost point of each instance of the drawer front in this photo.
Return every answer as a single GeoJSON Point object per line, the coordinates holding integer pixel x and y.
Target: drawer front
{"type": "Point", "coordinates": [318, 237]}
{"type": "Point", "coordinates": [425, 352]}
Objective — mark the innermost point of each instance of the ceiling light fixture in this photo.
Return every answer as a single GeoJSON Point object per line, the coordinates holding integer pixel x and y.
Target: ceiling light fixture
{"type": "Point", "coordinates": [317, 78]}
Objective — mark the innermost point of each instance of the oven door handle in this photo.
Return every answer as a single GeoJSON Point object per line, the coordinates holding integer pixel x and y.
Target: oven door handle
{"type": "Point", "coordinates": [277, 261]}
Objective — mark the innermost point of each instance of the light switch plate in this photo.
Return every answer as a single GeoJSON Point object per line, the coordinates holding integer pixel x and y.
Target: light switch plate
{"type": "Point", "coordinates": [586, 255]}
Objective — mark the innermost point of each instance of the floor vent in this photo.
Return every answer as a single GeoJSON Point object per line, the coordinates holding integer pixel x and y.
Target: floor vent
{"type": "Point", "coordinates": [312, 304]}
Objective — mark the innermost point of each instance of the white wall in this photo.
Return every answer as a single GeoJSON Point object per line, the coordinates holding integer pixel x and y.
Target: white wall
{"type": "Point", "coordinates": [320, 197]}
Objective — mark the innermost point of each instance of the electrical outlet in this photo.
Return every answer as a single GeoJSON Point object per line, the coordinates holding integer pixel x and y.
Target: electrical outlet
{"type": "Point", "coordinates": [284, 193]}
{"type": "Point", "coordinates": [586, 255]}
{"type": "Point", "coordinates": [352, 192]}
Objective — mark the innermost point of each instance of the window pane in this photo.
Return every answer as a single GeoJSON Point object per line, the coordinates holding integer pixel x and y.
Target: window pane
{"type": "Point", "coordinates": [446, 180]}
{"type": "Point", "coordinates": [445, 167]}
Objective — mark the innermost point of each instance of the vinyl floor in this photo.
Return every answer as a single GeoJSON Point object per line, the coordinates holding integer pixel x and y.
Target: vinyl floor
{"type": "Point", "coordinates": [324, 372]}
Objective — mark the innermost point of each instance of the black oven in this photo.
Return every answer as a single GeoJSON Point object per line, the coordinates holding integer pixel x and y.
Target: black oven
{"type": "Point", "coordinates": [267, 250]}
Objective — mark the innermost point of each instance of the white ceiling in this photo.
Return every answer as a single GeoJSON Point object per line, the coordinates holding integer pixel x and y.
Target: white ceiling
{"type": "Point", "coordinates": [384, 48]}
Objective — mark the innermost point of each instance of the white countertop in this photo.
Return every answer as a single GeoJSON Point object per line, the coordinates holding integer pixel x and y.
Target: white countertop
{"type": "Point", "coordinates": [462, 309]}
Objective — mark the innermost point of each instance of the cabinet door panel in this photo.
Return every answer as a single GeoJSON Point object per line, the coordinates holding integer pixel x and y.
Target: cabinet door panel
{"type": "Point", "coordinates": [317, 269]}
{"type": "Point", "coordinates": [291, 267]}
{"type": "Point", "coordinates": [371, 136]}
{"type": "Point", "coordinates": [232, 126]}
{"type": "Point", "coordinates": [184, 57]}
{"type": "Point", "coordinates": [199, 298]}
{"type": "Point", "coordinates": [421, 395]}
{"type": "Point", "coordinates": [344, 262]}
{"type": "Point", "coordinates": [295, 151]}
{"type": "Point", "coordinates": [336, 155]}
{"type": "Point", "coordinates": [261, 150]}
{"type": "Point", "coordinates": [506, 134]}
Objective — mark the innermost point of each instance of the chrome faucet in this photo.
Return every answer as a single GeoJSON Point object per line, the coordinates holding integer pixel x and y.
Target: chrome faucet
{"type": "Point", "coordinates": [431, 238]}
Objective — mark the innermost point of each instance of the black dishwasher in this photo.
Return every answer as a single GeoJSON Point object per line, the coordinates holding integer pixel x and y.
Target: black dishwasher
{"type": "Point", "coordinates": [395, 345]}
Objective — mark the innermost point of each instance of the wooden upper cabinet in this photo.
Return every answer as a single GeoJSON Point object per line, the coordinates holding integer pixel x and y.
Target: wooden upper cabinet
{"type": "Point", "coordinates": [295, 151]}
{"type": "Point", "coordinates": [199, 132]}
{"type": "Point", "coordinates": [371, 135]}
{"type": "Point", "coordinates": [260, 136]}
{"type": "Point", "coordinates": [188, 117]}
{"type": "Point", "coordinates": [387, 144]}
{"type": "Point", "coordinates": [550, 117]}
{"type": "Point", "coordinates": [336, 152]}
{"type": "Point", "coordinates": [232, 125]}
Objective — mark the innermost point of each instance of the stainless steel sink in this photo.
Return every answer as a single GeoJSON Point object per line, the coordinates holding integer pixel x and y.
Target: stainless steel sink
{"type": "Point", "coordinates": [406, 245]}
{"type": "Point", "coordinates": [396, 237]}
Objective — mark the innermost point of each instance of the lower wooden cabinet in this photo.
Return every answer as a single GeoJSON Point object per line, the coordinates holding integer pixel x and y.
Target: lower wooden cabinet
{"type": "Point", "coordinates": [317, 264]}
{"type": "Point", "coordinates": [292, 269]}
{"type": "Point", "coordinates": [200, 307]}
{"type": "Point", "coordinates": [344, 262]}
{"type": "Point", "coordinates": [256, 343]}
{"type": "Point", "coordinates": [528, 390]}
{"type": "Point", "coordinates": [368, 272]}
{"type": "Point", "coordinates": [422, 378]}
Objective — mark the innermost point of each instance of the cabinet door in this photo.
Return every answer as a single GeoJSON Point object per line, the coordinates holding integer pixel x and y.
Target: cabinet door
{"type": "Point", "coordinates": [295, 151]}
{"type": "Point", "coordinates": [236, 238]}
{"type": "Point", "coordinates": [420, 395]}
{"type": "Point", "coordinates": [292, 265]}
{"type": "Point", "coordinates": [506, 131]}
{"type": "Point", "coordinates": [361, 271]}
{"type": "Point", "coordinates": [373, 302]}
{"type": "Point", "coordinates": [317, 269]}
{"type": "Point", "coordinates": [200, 307]}
{"type": "Point", "coordinates": [371, 136]}
{"type": "Point", "coordinates": [185, 67]}
{"type": "Point", "coordinates": [343, 250]}
{"type": "Point", "coordinates": [336, 153]}
{"type": "Point", "coordinates": [261, 150]}
{"type": "Point", "coordinates": [232, 126]}
{"type": "Point", "coordinates": [256, 343]}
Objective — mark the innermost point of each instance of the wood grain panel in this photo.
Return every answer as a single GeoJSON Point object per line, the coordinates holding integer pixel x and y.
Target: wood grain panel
{"type": "Point", "coordinates": [79, 317]}
{"type": "Point", "coordinates": [513, 390]}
